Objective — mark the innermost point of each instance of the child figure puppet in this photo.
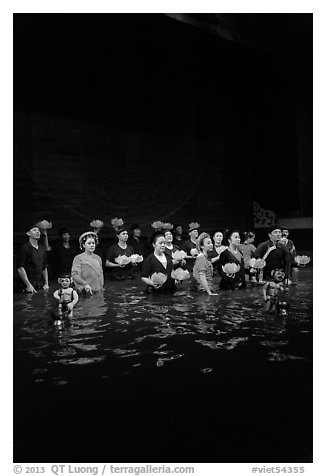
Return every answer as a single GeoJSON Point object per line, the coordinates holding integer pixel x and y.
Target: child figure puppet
{"type": "Point", "coordinates": [66, 296]}
{"type": "Point", "coordinates": [271, 290]}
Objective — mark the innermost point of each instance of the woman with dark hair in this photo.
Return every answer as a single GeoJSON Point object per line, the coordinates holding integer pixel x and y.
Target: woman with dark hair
{"type": "Point", "coordinates": [218, 248]}
{"type": "Point", "coordinates": [231, 263]}
{"type": "Point", "coordinates": [157, 267]}
{"type": "Point", "coordinates": [63, 253]}
{"type": "Point", "coordinates": [139, 244]}
{"type": "Point", "coordinates": [203, 269]}
{"type": "Point", "coordinates": [86, 271]}
{"type": "Point", "coordinates": [248, 249]}
{"type": "Point", "coordinates": [190, 246]}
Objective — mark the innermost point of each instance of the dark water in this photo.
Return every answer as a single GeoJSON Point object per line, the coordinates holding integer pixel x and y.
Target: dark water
{"type": "Point", "coordinates": [187, 378]}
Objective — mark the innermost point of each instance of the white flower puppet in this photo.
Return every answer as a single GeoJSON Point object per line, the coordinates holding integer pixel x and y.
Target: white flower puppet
{"type": "Point", "coordinates": [158, 278]}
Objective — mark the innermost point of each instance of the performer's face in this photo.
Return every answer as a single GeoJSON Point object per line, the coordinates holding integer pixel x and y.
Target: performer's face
{"type": "Point", "coordinates": [159, 244]}
{"type": "Point", "coordinates": [251, 238]}
{"type": "Point", "coordinates": [34, 233]}
{"type": "Point", "coordinates": [89, 245]}
{"type": "Point", "coordinates": [218, 238]}
{"type": "Point", "coordinates": [168, 237]}
{"type": "Point", "coordinates": [207, 244]}
{"type": "Point", "coordinates": [235, 239]}
{"type": "Point", "coordinates": [193, 234]}
{"type": "Point", "coordinates": [275, 235]}
{"type": "Point", "coordinates": [65, 237]}
{"type": "Point", "coordinates": [123, 236]}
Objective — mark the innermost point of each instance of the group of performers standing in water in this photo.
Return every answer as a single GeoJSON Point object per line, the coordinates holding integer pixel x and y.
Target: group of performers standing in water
{"type": "Point", "coordinates": [164, 261]}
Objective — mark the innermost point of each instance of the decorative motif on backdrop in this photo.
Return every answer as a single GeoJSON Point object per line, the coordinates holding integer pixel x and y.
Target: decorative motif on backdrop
{"type": "Point", "coordinates": [263, 218]}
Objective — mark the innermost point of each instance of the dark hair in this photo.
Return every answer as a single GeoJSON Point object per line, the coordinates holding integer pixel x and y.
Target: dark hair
{"type": "Point", "coordinates": [121, 230]}
{"type": "Point", "coordinates": [223, 242]}
{"type": "Point", "coordinates": [62, 231]}
{"type": "Point", "coordinates": [218, 231]}
{"type": "Point", "coordinates": [134, 226]}
{"type": "Point", "coordinates": [30, 226]}
{"type": "Point", "coordinates": [155, 236]}
{"type": "Point", "coordinates": [271, 228]}
{"type": "Point", "coordinates": [64, 274]}
{"type": "Point", "coordinates": [248, 234]}
{"type": "Point", "coordinates": [200, 240]}
{"type": "Point", "coordinates": [230, 232]}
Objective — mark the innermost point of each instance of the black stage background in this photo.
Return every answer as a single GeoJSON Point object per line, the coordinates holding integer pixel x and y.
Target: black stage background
{"type": "Point", "coordinates": [145, 117]}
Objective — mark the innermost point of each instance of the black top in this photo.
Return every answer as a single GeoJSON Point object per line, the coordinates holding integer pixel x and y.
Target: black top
{"type": "Point", "coordinates": [63, 258]}
{"type": "Point", "coordinates": [113, 253]}
{"type": "Point", "coordinates": [278, 258]}
{"type": "Point", "coordinates": [153, 265]}
{"type": "Point", "coordinates": [33, 261]}
{"type": "Point", "coordinates": [239, 279]}
{"type": "Point", "coordinates": [141, 246]}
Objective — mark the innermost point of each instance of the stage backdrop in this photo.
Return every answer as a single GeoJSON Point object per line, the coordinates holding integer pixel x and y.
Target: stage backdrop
{"type": "Point", "coordinates": [146, 118]}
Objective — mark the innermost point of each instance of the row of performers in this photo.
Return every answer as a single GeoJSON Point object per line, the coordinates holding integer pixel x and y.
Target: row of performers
{"type": "Point", "coordinates": [199, 258]}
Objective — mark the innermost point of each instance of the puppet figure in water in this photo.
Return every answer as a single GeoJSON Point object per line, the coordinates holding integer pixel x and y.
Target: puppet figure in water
{"type": "Point", "coordinates": [66, 296]}
{"type": "Point", "coordinates": [271, 291]}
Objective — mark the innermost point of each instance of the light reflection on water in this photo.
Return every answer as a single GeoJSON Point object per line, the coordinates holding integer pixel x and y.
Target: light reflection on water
{"type": "Point", "coordinates": [123, 329]}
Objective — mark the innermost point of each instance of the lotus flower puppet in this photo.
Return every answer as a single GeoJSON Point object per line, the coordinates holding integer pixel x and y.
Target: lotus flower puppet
{"type": "Point", "coordinates": [179, 255]}
{"type": "Point", "coordinates": [257, 263]}
{"type": "Point", "coordinates": [44, 225]}
{"type": "Point", "coordinates": [158, 278]}
{"type": "Point", "coordinates": [134, 259]}
{"type": "Point", "coordinates": [96, 224]}
{"type": "Point", "coordinates": [231, 268]}
{"type": "Point", "coordinates": [117, 223]}
{"type": "Point", "coordinates": [302, 260]}
{"type": "Point", "coordinates": [122, 260]}
{"type": "Point", "coordinates": [157, 225]}
{"type": "Point", "coordinates": [167, 226]}
{"type": "Point", "coordinates": [180, 274]}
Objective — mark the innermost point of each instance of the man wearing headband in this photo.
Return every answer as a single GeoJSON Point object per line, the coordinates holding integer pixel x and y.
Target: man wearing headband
{"type": "Point", "coordinates": [32, 263]}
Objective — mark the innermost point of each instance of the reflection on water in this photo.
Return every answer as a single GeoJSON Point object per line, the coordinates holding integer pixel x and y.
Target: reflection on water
{"type": "Point", "coordinates": [124, 329]}
{"type": "Point", "coordinates": [164, 378]}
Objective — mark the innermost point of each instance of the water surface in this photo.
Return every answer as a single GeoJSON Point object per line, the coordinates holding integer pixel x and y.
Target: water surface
{"type": "Point", "coordinates": [189, 377]}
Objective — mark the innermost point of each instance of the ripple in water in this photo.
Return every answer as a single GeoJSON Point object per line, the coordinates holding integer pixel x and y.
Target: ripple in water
{"type": "Point", "coordinates": [126, 327]}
